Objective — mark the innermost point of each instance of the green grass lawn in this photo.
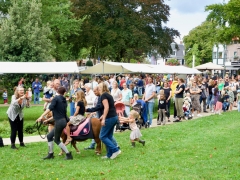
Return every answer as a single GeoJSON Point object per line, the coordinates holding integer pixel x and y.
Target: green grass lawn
{"type": "Point", "coordinates": [206, 148]}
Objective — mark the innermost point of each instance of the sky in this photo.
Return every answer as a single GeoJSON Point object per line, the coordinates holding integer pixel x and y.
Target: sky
{"type": "Point", "coordinates": [187, 14]}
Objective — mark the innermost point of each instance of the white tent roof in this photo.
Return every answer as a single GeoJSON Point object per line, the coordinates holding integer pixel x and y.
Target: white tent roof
{"type": "Point", "coordinates": [209, 65]}
{"type": "Point", "coordinates": [38, 67]}
{"type": "Point", "coordinates": [115, 67]}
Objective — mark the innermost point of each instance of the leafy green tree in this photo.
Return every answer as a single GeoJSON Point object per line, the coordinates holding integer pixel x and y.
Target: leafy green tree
{"type": "Point", "coordinates": [227, 20]}
{"type": "Point", "coordinates": [65, 28]}
{"type": "Point", "coordinates": [124, 30]}
{"type": "Point", "coordinates": [199, 42]}
{"type": "Point", "coordinates": [4, 6]}
{"type": "Point", "coordinates": [23, 37]}
{"type": "Point", "coordinates": [89, 63]}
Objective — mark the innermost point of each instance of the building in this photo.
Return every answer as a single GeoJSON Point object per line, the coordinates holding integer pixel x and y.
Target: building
{"type": "Point", "coordinates": [177, 53]}
{"type": "Point", "coordinates": [228, 55]}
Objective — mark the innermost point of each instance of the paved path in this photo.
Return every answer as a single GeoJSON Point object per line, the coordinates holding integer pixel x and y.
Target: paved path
{"type": "Point", "coordinates": [37, 138]}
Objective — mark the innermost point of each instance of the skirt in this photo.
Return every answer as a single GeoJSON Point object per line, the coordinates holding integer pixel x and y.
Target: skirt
{"type": "Point", "coordinates": [76, 120]}
{"type": "Point", "coordinates": [218, 106]}
{"type": "Point", "coordinates": [135, 134]}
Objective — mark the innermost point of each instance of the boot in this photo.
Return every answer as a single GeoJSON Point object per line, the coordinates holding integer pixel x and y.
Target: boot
{"type": "Point", "coordinates": [14, 147]}
{"type": "Point", "coordinates": [133, 144]}
{"type": "Point", "coordinates": [158, 122]}
{"type": "Point", "coordinates": [142, 142]}
{"type": "Point", "coordinates": [68, 156]}
{"type": "Point", "coordinates": [22, 144]}
{"type": "Point", "coordinates": [49, 156]}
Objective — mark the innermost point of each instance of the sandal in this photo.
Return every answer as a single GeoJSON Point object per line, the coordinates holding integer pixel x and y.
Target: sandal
{"type": "Point", "coordinates": [68, 141]}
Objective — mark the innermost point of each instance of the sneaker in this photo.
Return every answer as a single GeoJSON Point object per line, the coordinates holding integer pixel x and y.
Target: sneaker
{"type": "Point", "coordinates": [186, 118]}
{"type": "Point", "coordinates": [104, 157]}
{"type": "Point", "coordinates": [199, 115]}
{"type": "Point", "coordinates": [169, 120]}
{"type": "Point", "coordinates": [114, 155]}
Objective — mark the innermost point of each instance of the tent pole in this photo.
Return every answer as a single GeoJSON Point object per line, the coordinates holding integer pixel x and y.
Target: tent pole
{"type": "Point", "coordinates": [103, 67]}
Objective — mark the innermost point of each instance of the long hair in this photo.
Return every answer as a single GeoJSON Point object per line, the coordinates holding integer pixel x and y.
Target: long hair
{"type": "Point", "coordinates": [80, 96]}
{"type": "Point", "coordinates": [104, 88]}
{"type": "Point", "coordinates": [16, 92]}
{"type": "Point", "coordinates": [215, 91]}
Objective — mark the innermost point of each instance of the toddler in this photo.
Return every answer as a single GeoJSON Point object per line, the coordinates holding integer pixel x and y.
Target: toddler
{"type": "Point", "coordinates": [48, 93]}
{"type": "Point", "coordinates": [186, 109]}
{"type": "Point", "coordinates": [218, 107]}
{"type": "Point", "coordinates": [188, 98]}
{"type": "Point", "coordinates": [5, 96]}
{"type": "Point", "coordinates": [162, 109]}
{"type": "Point", "coordinates": [135, 134]}
{"type": "Point", "coordinates": [30, 94]}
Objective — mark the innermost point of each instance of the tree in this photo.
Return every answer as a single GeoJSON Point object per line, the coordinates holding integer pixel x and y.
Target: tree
{"type": "Point", "coordinates": [65, 28]}
{"type": "Point", "coordinates": [4, 6]}
{"type": "Point", "coordinates": [23, 37]}
{"type": "Point", "coordinates": [227, 19]}
{"type": "Point", "coordinates": [124, 30]}
{"type": "Point", "coordinates": [199, 42]}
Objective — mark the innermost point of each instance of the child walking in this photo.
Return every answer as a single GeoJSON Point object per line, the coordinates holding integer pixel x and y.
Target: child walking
{"type": "Point", "coordinates": [78, 116]}
{"type": "Point", "coordinates": [135, 134]}
{"type": "Point", "coordinates": [48, 93]}
{"type": "Point", "coordinates": [5, 96]}
{"type": "Point", "coordinates": [162, 109]}
{"type": "Point", "coordinates": [218, 107]}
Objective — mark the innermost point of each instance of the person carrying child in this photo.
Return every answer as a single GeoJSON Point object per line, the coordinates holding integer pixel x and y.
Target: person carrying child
{"type": "Point", "coordinates": [135, 134]}
{"type": "Point", "coordinates": [78, 116]}
{"type": "Point", "coordinates": [162, 109]}
{"type": "Point", "coordinates": [48, 93]}
{"type": "Point", "coordinates": [5, 96]}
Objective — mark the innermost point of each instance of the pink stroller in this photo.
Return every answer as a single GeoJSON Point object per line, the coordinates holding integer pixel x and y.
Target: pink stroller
{"type": "Point", "coordinates": [120, 109]}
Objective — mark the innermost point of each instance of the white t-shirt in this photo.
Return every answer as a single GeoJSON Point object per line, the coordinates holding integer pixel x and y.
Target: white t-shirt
{"type": "Point", "coordinates": [115, 94]}
{"type": "Point", "coordinates": [150, 88]}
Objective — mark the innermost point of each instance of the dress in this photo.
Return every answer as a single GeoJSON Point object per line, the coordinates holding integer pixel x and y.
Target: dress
{"type": "Point", "coordinates": [135, 131]}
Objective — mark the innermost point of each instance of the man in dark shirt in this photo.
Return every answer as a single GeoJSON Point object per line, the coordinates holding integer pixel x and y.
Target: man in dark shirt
{"type": "Point", "coordinates": [140, 85]}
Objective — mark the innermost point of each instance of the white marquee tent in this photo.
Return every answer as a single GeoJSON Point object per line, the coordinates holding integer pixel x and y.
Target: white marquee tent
{"type": "Point", "coordinates": [39, 67]}
{"type": "Point", "coordinates": [115, 68]}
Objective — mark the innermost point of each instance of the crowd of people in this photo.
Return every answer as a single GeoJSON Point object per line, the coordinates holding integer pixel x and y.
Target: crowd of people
{"type": "Point", "coordinates": [98, 95]}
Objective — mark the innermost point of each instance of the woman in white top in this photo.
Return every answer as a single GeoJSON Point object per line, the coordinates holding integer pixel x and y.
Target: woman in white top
{"type": "Point", "coordinates": [15, 116]}
{"type": "Point", "coordinates": [126, 98]}
{"type": "Point", "coordinates": [116, 92]}
{"type": "Point", "coordinates": [90, 96]}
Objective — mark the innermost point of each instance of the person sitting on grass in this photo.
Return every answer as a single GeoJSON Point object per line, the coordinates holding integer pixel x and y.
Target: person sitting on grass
{"type": "Point", "coordinates": [135, 134]}
{"type": "Point", "coordinates": [78, 116]}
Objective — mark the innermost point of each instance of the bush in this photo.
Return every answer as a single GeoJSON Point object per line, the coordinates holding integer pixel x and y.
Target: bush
{"type": "Point", "coordinates": [89, 63]}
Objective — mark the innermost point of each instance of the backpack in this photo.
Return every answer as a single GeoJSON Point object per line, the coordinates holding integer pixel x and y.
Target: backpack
{"type": "Point", "coordinates": [1, 142]}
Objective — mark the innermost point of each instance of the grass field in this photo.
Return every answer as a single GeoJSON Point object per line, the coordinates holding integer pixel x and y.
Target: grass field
{"type": "Point", "coordinates": [205, 148]}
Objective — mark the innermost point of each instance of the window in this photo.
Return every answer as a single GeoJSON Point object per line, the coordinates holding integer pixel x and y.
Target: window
{"type": "Point", "coordinates": [214, 55]}
{"type": "Point", "coordinates": [173, 53]}
{"type": "Point", "coordinates": [235, 53]}
{"type": "Point", "coordinates": [220, 55]}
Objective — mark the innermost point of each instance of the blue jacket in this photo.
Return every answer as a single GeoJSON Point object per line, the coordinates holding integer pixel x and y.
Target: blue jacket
{"type": "Point", "coordinates": [36, 87]}
{"type": "Point", "coordinates": [97, 108]}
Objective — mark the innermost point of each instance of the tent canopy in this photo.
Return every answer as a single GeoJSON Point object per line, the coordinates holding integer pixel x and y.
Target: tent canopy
{"type": "Point", "coordinates": [114, 68]}
{"type": "Point", "coordinates": [38, 67]}
{"type": "Point", "coordinates": [210, 66]}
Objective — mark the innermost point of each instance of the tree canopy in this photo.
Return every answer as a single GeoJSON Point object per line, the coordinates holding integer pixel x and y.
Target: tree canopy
{"type": "Point", "coordinates": [227, 19]}
{"type": "Point", "coordinates": [199, 42]}
{"type": "Point", "coordinates": [23, 36]}
{"type": "Point", "coordinates": [127, 29]}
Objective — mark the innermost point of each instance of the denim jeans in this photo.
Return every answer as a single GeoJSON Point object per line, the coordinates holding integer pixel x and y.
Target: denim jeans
{"type": "Point", "coordinates": [225, 106]}
{"type": "Point", "coordinates": [72, 108]}
{"type": "Point", "coordinates": [127, 110]}
{"type": "Point", "coordinates": [204, 103]}
{"type": "Point", "coordinates": [140, 91]}
{"type": "Point", "coordinates": [150, 106]}
{"type": "Point", "coordinates": [238, 106]}
{"type": "Point", "coordinates": [209, 99]}
{"type": "Point", "coordinates": [106, 135]}
{"type": "Point", "coordinates": [36, 97]}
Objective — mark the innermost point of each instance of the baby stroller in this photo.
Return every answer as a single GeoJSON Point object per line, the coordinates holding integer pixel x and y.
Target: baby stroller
{"type": "Point", "coordinates": [120, 109]}
{"type": "Point", "coordinates": [141, 108]}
